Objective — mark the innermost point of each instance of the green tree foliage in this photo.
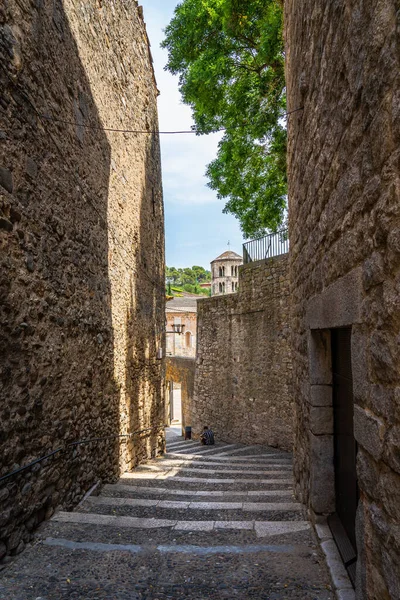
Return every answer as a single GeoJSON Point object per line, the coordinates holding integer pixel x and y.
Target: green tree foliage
{"type": "Point", "coordinates": [230, 61]}
{"type": "Point", "coordinates": [191, 277]}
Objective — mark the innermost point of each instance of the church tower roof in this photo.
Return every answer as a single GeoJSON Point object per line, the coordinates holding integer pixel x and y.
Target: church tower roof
{"type": "Point", "coordinates": [228, 255]}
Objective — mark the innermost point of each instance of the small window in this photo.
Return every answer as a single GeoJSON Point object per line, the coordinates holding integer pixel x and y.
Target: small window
{"type": "Point", "coordinates": [237, 286]}
{"type": "Point", "coordinates": [233, 287]}
{"type": "Point", "coordinates": [232, 270]}
{"type": "Point", "coordinates": [220, 288]}
{"type": "Point", "coordinates": [223, 287]}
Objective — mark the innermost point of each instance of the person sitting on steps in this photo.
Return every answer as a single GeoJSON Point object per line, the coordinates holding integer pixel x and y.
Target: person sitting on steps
{"type": "Point", "coordinates": [207, 437]}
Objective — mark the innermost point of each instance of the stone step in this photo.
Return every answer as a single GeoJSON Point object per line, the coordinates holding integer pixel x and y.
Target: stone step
{"type": "Point", "coordinates": [203, 483]}
{"type": "Point", "coordinates": [182, 444]}
{"type": "Point", "coordinates": [163, 463]}
{"type": "Point", "coordinates": [175, 510]}
{"type": "Point", "coordinates": [247, 449]}
{"type": "Point", "coordinates": [115, 489]}
{"type": "Point", "coordinates": [192, 525]}
{"type": "Point", "coordinates": [240, 461]}
{"type": "Point", "coordinates": [248, 506]}
{"type": "Point", "coordinates": [119, 533]}
{"type": "Point", "coordinates": [207, 450]}
{"type": "Point", "coordinates": [176, 548]}
{"type": "Point", "coordinates": [276, 477]}
{"type": "Point", "coordinates": [166, 467]}
{"type": "Point", "coordinates": [133, 570]}
{"type": "Point", "coordinates": [261, 528]}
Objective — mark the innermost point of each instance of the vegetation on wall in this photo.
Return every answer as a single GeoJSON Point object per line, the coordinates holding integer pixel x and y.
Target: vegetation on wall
{"type": "Point", "coordinates": [229, 56]}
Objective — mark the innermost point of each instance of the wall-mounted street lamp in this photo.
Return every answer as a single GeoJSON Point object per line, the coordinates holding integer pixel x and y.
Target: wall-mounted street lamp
{"type": "Point", "coordinates": [177, 328]}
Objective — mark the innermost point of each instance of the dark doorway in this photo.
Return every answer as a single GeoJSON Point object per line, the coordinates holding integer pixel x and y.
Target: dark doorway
{"type": "Point", "coordinates": [345, 450]}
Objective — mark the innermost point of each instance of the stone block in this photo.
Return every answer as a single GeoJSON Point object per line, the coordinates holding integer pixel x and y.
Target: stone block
{"type": "Point", "coordinates": [346, 594]}
{"type": "Point", "coordinates": [359, 364]}
{"type": "Point", "coordinates": [390, 494]}
{"type": "Point", "coordinates": [385, 360]}
{"type": "Point", "coordinates": [368, 473]}
{"type": "Point", "coordinates": [31, 168]}
{"type": "Point", "coordinates": [391, 558]}
{"type": "Point", "coordinates": [336, 567]}
{"type": "Point", "coordinates": [321, 395]}
{"type": "Point", "coordinates": [320, 359]}
{"type": "Point", "coordinates": [339, 305]}
{"type": "Point", "coordinates": [323, 531]}
{"type": "Point", "coordinates": [392, 448]}
{"type": "Point", "coordinates": [369, 431]}
{"type": "Point", "coordinates": [5, 224]}
{"type": "Point", "coordinates": [322, 478]}
{"type": "Point", "coordinates": [6, 179]}
{"type": "Point", "coordinates": [321, 420]}
{"type": "Point", "coordinates": [361, 584]}
{"type": "Point", "coordinates": [373, 271]}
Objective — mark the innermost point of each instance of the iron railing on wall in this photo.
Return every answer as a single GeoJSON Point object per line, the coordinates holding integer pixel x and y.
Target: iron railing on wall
{"type": "Point", "coordinates": [72, 445]}
{"type": "Point", "coordinates": [265, 247]}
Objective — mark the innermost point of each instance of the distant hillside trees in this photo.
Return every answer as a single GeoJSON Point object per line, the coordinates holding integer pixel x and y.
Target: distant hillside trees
{"type": "Point", "coordinates": [189, 279]}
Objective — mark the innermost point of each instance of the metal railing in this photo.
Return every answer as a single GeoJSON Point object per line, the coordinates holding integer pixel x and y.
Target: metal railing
{"type": "Point", "coordinates": [268, 246]}
{"type": "Point", "coordinates": [73, 445]}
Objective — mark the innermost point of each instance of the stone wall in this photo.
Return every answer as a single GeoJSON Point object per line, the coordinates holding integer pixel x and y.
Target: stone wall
{"type": "Point", "coordinates": [82, 253]}
{"type": "Point", "coordinates": [243, 365]}
{"type": "Point", "coordinates": [344, 207]}
{"type": "Point", "coordinates": [181, 370]}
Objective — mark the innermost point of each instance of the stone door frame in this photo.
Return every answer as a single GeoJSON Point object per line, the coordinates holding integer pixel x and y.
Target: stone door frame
{"type": "Point", "coordinates": [339, 305]}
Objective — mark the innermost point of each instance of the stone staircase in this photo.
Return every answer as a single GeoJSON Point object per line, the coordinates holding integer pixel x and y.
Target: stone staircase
{"type": "Point", "coordinates": [200, 523]}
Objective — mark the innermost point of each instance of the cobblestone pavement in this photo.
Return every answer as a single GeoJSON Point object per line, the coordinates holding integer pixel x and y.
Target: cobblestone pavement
{"type": "Point", "coordinates": [200, 523]}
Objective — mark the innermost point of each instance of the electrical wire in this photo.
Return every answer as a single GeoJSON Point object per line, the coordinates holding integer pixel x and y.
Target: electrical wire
{"type": "Point", "coordinates": [93, 206]}
{"type": "Point", "coordinates": [74, 445]}
{"type": "Point", "coordinates": [79, 182]}
{"type": "Point", "coordinates": [150, 132]}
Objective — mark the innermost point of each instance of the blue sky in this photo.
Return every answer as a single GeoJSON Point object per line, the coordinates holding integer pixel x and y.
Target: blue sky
{"type": "Point", "coordinates": [196, 229]}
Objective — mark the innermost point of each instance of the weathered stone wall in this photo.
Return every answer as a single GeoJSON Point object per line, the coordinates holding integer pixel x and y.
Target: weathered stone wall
{"type": "Point", "coordinates": [243, 365]}
{"type": "Point", "coordinates": [181, 370]}
{"type": "Point", "coordinates": [82, 252]}
{"type": "Point", "coordinates": [344, 193]}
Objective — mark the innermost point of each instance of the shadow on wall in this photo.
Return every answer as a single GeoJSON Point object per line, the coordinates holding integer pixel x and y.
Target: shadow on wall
{"type": "Point", "coordinates": [56, 340]}
{"type": "Point", "coordinates": [142, 400]}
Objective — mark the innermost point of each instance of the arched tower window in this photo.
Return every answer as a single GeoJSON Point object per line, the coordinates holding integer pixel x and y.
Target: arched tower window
{"type": "Point", "coordinates": [220, 288]}
{"type": "Point", "coordinates": [233, 287]}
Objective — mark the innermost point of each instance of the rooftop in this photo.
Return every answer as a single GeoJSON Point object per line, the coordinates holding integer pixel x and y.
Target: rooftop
{"type": "Point", "coordinates": [183, 304]}
{"type": "Point", "coordinates": [228, 255]}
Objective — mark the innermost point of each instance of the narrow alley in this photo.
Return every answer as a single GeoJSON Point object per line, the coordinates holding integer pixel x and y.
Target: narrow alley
{"type": "Point", "coordinates": [217, 522]}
